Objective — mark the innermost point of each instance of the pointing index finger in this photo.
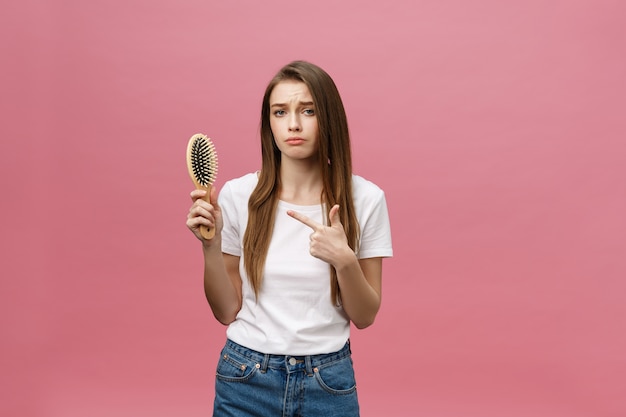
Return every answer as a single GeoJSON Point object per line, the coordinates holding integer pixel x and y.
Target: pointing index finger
{"type": "Point", "coordinates": [303, 219]}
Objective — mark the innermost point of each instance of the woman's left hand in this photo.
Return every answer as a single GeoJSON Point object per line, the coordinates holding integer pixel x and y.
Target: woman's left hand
{"type": "Point", "coordinates": [328, 243]}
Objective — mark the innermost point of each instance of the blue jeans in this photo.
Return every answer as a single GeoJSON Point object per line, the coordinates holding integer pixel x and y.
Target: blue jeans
{"type": "Point", "coordinates": [249, 383]}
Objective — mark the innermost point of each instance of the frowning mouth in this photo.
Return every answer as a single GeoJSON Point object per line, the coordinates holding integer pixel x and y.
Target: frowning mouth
{"type": "Point", "coordinates": [295, 141]}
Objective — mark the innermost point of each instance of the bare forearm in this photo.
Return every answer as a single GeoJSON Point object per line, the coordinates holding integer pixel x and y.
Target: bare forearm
{"type": "Point", "coordinates": [220, 291]}
{"type": "Point", "coordinates": [360, 300]}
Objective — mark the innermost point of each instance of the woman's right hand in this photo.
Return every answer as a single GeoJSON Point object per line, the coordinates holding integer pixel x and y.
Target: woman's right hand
{"type": "Point", "coordinates": [205, 213]}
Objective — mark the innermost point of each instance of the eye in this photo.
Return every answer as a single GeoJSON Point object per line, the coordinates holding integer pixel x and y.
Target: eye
{"type": "Point", "coordinates": [279, 113]}
{"type": "Point", "coordinates": [309, 112]}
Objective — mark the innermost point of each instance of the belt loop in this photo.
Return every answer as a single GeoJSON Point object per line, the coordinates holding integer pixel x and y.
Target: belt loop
{"type": "Point", "coordinates": [266, 359]}
{"type": "Point", "coordinates": [308, 366]}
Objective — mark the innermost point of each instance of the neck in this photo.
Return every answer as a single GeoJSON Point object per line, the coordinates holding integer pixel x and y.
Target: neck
{"type": "Point", "coordinates": [301, 183]}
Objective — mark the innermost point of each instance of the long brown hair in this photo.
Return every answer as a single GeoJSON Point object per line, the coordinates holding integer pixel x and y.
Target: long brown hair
{"type": "Point", "coordinates": [335, 162]}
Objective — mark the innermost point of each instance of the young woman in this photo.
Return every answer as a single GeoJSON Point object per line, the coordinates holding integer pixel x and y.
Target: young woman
{"type": "Point", "coordinates": [296, 257]}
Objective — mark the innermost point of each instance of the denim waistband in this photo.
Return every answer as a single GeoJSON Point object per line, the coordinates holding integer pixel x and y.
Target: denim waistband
{"type": "Point", "coordinates": [289, 362]}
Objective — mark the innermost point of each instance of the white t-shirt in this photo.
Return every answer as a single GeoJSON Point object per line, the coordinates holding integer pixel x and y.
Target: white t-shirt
{"type": "Point", "coordinates": [294, 314]}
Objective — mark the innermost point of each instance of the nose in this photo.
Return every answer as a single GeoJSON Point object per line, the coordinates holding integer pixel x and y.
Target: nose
{"type": "Point", "coordinates": [294, 123]}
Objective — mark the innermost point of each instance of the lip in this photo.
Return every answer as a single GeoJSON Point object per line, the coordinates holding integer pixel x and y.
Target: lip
{"type": "Point", "coordinates": [295, 141]}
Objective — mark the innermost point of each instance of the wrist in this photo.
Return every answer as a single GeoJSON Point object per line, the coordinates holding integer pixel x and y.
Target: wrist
{"type": "Point", "coordinates": [346, 260]}
{"type": "Point", "coordinates": [212, 245]}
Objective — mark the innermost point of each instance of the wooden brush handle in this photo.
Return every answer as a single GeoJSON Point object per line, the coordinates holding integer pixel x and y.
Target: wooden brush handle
{"type": "Point", "coordinates": [207, 233]}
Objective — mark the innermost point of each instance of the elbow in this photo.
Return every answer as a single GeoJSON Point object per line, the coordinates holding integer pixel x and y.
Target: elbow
{"type": "Point", "coordinates": [224, 312]}
{"type": "Point", "coordinates": [226, 317]}
{"type": "Point", "coordinates": [366, 317]}
{"type": "Point", "coordinates": [364, 323]}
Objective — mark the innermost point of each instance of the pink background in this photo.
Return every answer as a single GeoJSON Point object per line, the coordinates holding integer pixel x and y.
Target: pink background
{"type": "Point", "coordinates": [496, 128]}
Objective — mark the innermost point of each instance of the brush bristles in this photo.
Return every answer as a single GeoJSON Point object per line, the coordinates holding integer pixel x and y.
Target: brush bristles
{"type": "Point", "coordinates": [203, 161]}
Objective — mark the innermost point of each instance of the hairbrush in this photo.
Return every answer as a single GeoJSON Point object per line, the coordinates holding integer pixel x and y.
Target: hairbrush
{"type": "Point", "coordinates": [202, 166]}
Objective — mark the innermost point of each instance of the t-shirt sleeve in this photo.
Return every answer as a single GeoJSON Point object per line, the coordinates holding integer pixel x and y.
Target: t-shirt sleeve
{"type": "Point", "coordinates": [231, 239]}
{"type": "Point", "coordinates": [375, 229]}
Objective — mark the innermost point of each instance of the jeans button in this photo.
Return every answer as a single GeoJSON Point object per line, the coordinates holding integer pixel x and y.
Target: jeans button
{"type": "Point", "coordinates": [292, 361]}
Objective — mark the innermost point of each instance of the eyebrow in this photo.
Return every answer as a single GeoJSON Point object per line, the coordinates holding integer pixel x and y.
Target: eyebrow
{"type": "Point", "coordinates": [301, 103]}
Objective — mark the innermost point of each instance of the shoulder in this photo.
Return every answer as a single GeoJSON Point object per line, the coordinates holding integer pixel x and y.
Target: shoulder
{"type": "Point", "coordinates": [370, 206]}
{"type": "Point", "coordinates": [363, 189]}
{"type": "Point", "coordinates": [240, 187]}
{"type": "Point", "coordinates": [247, 180]}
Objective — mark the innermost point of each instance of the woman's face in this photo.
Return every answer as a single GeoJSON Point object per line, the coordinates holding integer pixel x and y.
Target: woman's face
{"type": "Point", "coordinates": [293, 120]}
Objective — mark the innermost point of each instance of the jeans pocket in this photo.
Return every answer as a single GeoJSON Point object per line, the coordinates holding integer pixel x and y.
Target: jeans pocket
{"type": "Point", "coordinates": [337, 377]}
{"type": "Point", "coordinates": [234, 367]}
